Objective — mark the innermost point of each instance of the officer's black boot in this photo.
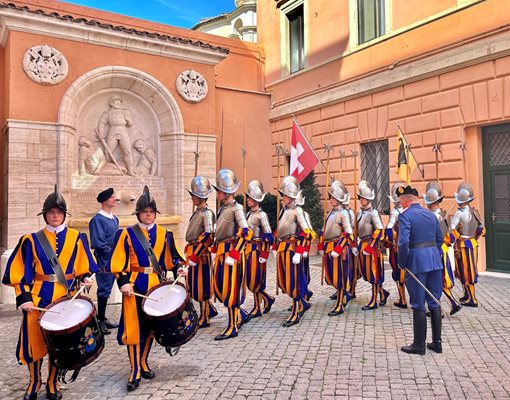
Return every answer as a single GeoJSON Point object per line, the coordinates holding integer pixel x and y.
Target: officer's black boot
{"type": "Point", "coordinates": [435, 320]}
{"type": "Point", "coordinates": [101, 310]}
{"type": "Point", "coordinates": [420, 333]}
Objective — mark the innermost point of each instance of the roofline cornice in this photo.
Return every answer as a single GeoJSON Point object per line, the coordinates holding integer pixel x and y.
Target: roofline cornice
{"type": "Point", "coordinates": [24, 19]}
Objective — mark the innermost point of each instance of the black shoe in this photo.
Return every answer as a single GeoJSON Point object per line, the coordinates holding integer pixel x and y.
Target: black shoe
{"type": "Point", "coordinates": [222, 336]}
{"type": "Point", "coordinates": [103, 328]}
{"type": "Point", "coordinates": [469, 304]}
{"type": "Point", "coordinates": [148, 374]}
{"type": "Point", "coordinates": [333, 313]}
{"type": "Point", "coordinates": [367, 307]}
{"type": "Point", "coordinates": [204, 324]}
{"type": "Point", "coordinates": [109, 324]}
{"type": "Point", "coordinates": [334, 296]}
{"type": "Point", "coordinates": [269, 304]}
{"type": "Point", "coordinates": [54, 396]}
{"type": "Point", "coordinates": [400, 305]}
{"type": "Point", "coordinates": [32, 396]}
{"type": "Point", "coordinates": [384, 300]}
{"type": "Point", "coordinates": [286, 324]}
{"type": "Point", "coordinates": [245, 320]}
{"type": "Point", "coordinates": [133, 385]}
{"type": "Point", "coordinates": [456, 309]}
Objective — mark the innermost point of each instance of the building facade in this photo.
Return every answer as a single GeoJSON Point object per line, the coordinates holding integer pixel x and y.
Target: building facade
{"type": "Point", "coordinates": [353, 72]}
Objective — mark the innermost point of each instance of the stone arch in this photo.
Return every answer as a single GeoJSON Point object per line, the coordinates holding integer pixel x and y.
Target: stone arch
{"type": "Point", "coordinates": [126, 78]}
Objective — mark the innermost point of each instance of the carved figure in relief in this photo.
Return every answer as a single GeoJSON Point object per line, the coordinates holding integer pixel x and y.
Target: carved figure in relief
{"type": "Point", "coordinates": [112, 131]}
{"type": "Point", "coordinates": [93, 161]}
{"type": "Point", "coordinates": [192, 86]}
{"type": "Point", "coordinates": [147, 161]}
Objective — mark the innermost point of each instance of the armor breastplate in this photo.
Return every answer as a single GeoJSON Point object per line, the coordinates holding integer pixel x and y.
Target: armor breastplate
{"type": "Point", "coordinates": [393, 220]}
{"type": "Point", "coordinates": [230, 219]}
{"type": "Point", "coordinates": [201, 221]}
{"type": "Point", "coordinates": [258, 223]}
{"type": "Point", "coordinates": [466, 221]}
{"type": "Point", "coordinates": [292, 218]}
{"type": "Point", "coordinates": [443, 219]}
{"type": "Point", "coordinates": [368, 222]}
{"type": "Point", "coordinates": [352, 218]}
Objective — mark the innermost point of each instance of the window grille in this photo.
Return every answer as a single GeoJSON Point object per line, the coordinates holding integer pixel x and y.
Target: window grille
{"type": "Point", "coordinates": [375, 167]}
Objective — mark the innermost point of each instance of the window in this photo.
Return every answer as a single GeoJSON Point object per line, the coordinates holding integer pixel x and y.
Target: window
{"type": "Point", "coordinates": [375, 167]}
{"type": "Point", "coordinates": [296, 39]}
{"type": "Point", "coordinates": [371, 20]}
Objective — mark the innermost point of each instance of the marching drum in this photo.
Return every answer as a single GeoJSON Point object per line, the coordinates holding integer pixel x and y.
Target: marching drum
{"type": "Point", "coordinates": [170, 314]}
{"type": "Point", "coordinates": [71, 333]}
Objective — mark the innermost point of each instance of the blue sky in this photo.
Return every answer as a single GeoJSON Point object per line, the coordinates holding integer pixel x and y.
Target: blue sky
{"type": "Point", "coordinates": [182, 13]}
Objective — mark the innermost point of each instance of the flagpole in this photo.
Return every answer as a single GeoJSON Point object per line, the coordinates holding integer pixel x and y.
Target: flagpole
{"type": "Point", "coordinates": [408, 147]}
{"type": "Point", "coordinates": [197, 156]}
{"type": "Point", "coordinates": [221, 155]}
{"type": "Point", "coordinates": [278, 148]}
{"type": "Point", "coordinates": [355, 154]}
{"type": "Point", "coordinates": [243, 153]}
{"type": "Point", "coordinates": [327, 148]}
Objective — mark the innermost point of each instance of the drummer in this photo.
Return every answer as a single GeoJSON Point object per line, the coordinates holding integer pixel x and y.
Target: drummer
{"type": "Point", "coordinates": [37, 284]}
{"type": "Point", "coordinates": [137, 273]}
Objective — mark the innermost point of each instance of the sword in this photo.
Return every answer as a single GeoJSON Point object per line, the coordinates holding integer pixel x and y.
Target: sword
{"type": "Point", "coordinates": [424, 288]}
{"type": "Point", "coordinates": [103, 142]}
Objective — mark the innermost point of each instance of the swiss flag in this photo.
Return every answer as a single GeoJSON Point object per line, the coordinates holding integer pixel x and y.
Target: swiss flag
{"type": "Point", "coordinates": [303, 158]}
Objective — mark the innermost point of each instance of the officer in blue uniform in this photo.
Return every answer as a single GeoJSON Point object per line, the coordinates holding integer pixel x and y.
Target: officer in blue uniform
{"type": "Point", "coordinates": [418, 242]}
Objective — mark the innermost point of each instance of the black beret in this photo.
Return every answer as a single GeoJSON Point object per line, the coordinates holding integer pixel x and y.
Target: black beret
{"type": "Point", "coordinates": [104, 195]}
{"type": "Point", "coordinates": [406, 190]}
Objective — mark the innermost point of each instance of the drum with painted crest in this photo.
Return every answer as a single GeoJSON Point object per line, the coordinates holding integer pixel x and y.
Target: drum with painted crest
{"type": "Point", "coordinates": [71, 332]}
{"type": "Point", "coordinates": [170, 314]}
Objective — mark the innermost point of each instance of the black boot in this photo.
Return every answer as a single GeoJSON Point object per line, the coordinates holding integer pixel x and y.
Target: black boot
{"type": "Point", "coordinates": [420, 333]}
{"type": "Point", "coordinates": [435, 319]}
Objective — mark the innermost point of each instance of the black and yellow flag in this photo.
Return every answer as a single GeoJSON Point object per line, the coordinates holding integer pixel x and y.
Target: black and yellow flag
{"type": "Point", "coordinates": [406, 163]}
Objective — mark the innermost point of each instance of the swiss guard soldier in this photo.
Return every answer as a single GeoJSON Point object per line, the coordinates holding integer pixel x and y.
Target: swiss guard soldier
{"type": "Point", "coordinates": [39, 282]}
{"type": "Point", "coordinates": [353, 275]}
{"type": "Point", "coordinates": [291, 274]}
{"type": "Point", "coordinates": [468, 225]}
{"type": "Point", "coordinates": [232, 233]}
{"type": "Point", "coordinates": [200, 235]}
{"type": "Point", "coordinates": [432, 198]}
{"type": "Point", "coordinates": [391, 241]}
{"type": "Point", "coordinates": [257, 250]}
{"type": "Point", "coordinates": [334, 242]}
{"type": "Point", "coordinates": [370, 231]}
{"type": "Point", "coordinates": [307, 243]}
{"type": "Point", "coordinates": [141, 255]}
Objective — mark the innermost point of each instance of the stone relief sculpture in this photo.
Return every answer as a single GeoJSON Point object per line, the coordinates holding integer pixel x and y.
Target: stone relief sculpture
{"type": "Point", "coordinates": [93, 161]}
{"type": "Point", "coordinates": [147, 161]}
{"type": "Point", "coordinates": [112, 131]}
{"type": "Point", "coordinates": [192, 86]}
{"type": "Point", "coordinates": [45, 65]}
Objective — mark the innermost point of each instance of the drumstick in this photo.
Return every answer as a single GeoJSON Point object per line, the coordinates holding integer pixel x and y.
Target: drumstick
{"type": "Point", "coordinates": [78, 292]}
{"type": "Point", "coordinates": [45, 310]}
{"type": "Point", "coordinates": [184, 269]}
{"type": "Point", "coordinates": [145, 297]}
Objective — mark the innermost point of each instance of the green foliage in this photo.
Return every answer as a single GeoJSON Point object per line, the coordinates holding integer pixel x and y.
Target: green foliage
{"type": "Point", "coordinates": [268, 205]}
{"type": "Point", "coordinates": [313, 204]}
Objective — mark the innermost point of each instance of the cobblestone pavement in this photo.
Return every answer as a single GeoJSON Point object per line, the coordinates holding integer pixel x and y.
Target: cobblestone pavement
{"type": "Point", "coordinates": [355, 355]}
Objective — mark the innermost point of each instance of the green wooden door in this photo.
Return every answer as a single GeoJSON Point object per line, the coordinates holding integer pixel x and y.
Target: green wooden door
{"type": "Point", "coordinates": [496, 162]}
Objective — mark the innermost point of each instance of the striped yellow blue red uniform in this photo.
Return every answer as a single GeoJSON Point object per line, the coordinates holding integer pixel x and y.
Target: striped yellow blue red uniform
{"type": "Point", "coordinates": [128, 255]}
{"type": "Point", "coordinates": [25, 270]}
{"type": "Point", "coordinates": [398, 274]}
{"type": "Point", "coordinates": [256, 271]}
{"type": "Point", "coordinates": [372, 265]}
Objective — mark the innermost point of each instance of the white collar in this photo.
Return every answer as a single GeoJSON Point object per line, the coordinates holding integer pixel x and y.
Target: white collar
{"type": "Point", "coordinates": [57, 229]}
{"type": "Point", "coordinates": [146, 227]}
{"type": "Point", "coordinates": [106, 214]}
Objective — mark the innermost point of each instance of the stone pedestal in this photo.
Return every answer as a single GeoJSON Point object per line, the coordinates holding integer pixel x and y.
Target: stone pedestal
{"type": "Point", "coordinates": [7, 295]}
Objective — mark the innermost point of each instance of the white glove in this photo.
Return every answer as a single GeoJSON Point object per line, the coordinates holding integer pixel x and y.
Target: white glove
{"type": "Point", "coordinates": [191, 263]}
{"type": "Point", "coordinates": [305, 254]}
{"type": "Point", "coordinates": [262, 260]}
{"type": "Point", "coordinates": [365, 253]}
{"type": "Point", "coordinates": [230, 261]}
{"type": "Point", "coordinates": [213, 257]}
{"type": "Point", "coordinates": [296, 259]}
{"type": "Point", "coordinates": [334, 254]}
{"type": "Point", "coordinates": [354, 251]}
{"type": "Point", "coordinates": [321, 252]}
{"type": "Point", "coordinates": [275, 253]}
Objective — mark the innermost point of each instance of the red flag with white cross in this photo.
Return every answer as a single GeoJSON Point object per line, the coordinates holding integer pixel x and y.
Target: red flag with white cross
{"type": "Point", "coordinates": [303, 158]}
